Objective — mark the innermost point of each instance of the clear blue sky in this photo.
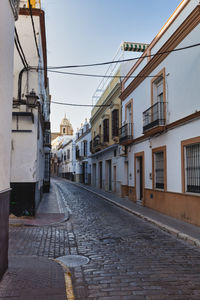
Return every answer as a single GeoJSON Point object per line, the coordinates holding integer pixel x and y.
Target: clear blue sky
{"type": "Point", "coordinates": [90, 31]}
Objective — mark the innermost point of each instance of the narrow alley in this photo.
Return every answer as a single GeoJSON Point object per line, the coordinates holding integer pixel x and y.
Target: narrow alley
{"type": "Point", "coordinates": [128, 257]}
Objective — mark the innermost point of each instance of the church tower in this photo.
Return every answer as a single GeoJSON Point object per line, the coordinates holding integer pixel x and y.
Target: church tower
{"type": "Point", "coordinates": [66, 127]}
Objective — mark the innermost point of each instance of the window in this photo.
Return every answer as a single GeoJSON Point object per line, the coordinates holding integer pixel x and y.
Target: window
{"type": "Point", "coordinates": [192, 168]}
{"type": "Point", "coordinates": [115, 122]}
{"type": "Point", "coordinates": [158, 98]}
{"type": "Point", "coordinates": [158, 90]}
{"type": "Point", "coordinates": [159, 168]}
{"type": "Point", "coordinates": [106, 130]}
{"type": "Point", "coordinates": [85, 148]}
{"type": "Point", "coordinates": [64, 156]}
{"type": "Point", "coordinates": [128, 127]}
{"type": "Point", "coordinates": [68, 154]}
{"type": "Point", "coordinates": [63, 130]}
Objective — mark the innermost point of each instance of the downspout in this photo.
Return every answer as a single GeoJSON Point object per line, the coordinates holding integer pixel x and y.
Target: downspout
{"type": "Point", "coordinates": [20, 82]}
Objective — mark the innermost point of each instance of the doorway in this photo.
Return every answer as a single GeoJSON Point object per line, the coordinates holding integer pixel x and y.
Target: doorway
{"type": "Point", "coordinates": [114, 179]}
{"type": "Point", "coordinates": [100, 175]}
{"type": "Point", "coordinates": [94, 174]}
{"type": "Point", "coordinates": [139, 177]}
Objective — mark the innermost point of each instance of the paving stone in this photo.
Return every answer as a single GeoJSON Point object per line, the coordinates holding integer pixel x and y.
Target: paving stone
{"type": "Point", "coordinates": [128, 256]}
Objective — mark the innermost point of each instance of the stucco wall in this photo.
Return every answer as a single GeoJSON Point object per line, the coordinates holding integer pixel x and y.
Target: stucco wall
{"type": "Point", "coordinates": [6, 90]}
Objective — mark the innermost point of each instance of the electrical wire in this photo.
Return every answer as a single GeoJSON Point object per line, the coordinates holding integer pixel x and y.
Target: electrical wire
{"type": "Point", "coordinates": [20, 54]}
{"type": "Point", "coordinates": [19, 48]}
{"type": "Point", "coordinates": [80, 105]}
{"type": "Point", "coordinates": [121, 60]}
{"type": "Point", "coordinates": [33, 25]}
{"type": "Point", "coordinates": [104, 76]}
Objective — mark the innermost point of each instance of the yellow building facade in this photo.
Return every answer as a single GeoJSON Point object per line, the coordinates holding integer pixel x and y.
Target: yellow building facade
{"type": "Point", "coordinates": [106, 117]}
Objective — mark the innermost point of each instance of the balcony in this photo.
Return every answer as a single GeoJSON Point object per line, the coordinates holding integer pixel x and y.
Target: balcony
{"type": "Point", "coordinates": [97, 143]}
{"type": "Point", "coordinates": [126, 134]}
{"type": "Point", "coordinates": [154, 118]}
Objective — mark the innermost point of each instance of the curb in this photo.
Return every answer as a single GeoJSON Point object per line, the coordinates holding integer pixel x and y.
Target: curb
{"type": "Point", "coordinates": [66, 218]}
{"type": "Point", "coordinates": [68, 280]}
{"type": "Point", "coordinates": [178, 234]}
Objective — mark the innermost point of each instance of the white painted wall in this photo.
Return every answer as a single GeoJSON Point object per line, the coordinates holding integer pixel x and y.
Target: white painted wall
{"type": "Point", "coordinates": [117, 161]}
{"type": "Point", "coordinates": [182, 85]}
{"type": "Point", "coordinates": [84, 136]}
{"type": "Point", "coordinates": [6, 90]}
{"type": "Point", "coordinates": [182, 96]}
{"type": "Point", "coordinates": [67, 165]}
{"type": "Point", "coordinates": [27, 147]}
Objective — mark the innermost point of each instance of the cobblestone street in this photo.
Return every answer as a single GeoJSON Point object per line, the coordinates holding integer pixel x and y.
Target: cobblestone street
{"type": "Point", "coordinates": [129, 258]}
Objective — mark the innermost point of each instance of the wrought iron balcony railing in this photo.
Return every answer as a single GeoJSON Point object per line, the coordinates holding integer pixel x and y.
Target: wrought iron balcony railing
{"type": "Point", "coordinates": [97, 141]}
{"type": "Point", "coordinates": [126, 133]}
{"type": "Point", "coordinates": [154, 116]}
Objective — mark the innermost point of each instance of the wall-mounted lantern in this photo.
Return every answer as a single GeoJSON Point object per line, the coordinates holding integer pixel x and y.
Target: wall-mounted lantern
{"type": "Point", "coordinates": [32, 98]}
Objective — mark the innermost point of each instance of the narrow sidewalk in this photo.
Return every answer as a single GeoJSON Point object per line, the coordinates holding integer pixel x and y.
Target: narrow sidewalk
{"type": "Point", "coordinates": [49, 212]}
{"type": "Point", "coordinates": [182, 230]}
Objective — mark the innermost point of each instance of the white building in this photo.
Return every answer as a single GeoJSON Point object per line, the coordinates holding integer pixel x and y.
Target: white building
{"type": "Point", "coordinates": [82, 154]}
{"type": "Point", "coordinates": [58, 152]}
{"type": "Point", "coordinates": [161, 120]}
{"type": "Point", "coordinates": [30, 157]}
{"type": "Point", "coordinates": [8, 15]}
{"type": "Point", "coordinates": [68, 162]}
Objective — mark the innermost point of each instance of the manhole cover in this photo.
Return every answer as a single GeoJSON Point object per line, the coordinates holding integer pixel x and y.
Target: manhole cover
{"type": "Point", "coordinates": [110, 239]}
{"type": "Point", "coordinates": [73, 261]}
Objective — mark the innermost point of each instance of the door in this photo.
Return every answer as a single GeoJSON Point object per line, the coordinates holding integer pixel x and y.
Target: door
{"type": "Point", "coordinates": [83, 173]}
{"type": "Point", "coordinates": [109, 176]}
{"type": "Point", "coordinates": [94, 174]}
{"type": "Point", "coordinates": [86, 173]}
{"type": "Point", "coordinates": [100, 174]}
{"type": "Point", "coordinates": [114, 179]}
{"type": "Point", "coordinates": [139, 177]}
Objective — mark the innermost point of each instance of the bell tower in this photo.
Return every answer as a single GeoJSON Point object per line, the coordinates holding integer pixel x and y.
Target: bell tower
{"type": "Point", "coordinates": [66, 127]}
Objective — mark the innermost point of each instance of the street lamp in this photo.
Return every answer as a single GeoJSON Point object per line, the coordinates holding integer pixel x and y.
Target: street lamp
{"type": "Point", "coordinates": [32, 98]}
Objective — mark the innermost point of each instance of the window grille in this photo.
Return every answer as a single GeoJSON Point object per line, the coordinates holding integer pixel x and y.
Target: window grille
{"type": "Point", "coordinates": [159, 170]}
{"type": "Point", "coordinates": [192, 168]}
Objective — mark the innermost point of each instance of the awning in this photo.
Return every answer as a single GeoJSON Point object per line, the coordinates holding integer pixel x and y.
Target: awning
{"type": "Point", "coordinates": [135, 47]}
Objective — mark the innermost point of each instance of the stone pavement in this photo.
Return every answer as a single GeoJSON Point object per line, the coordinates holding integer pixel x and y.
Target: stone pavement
{"type": "Point", "coordinates": [129, 258]}
{"type": "Point", "coordinates": [33, 278]}
{"type": "Point", "coordinates": [182, 230]}
{"type": "Point", "coordinates": [30, 275]}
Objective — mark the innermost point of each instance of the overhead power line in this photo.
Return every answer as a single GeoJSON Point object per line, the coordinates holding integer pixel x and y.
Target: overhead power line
{"type": "Point", "coordinates": [33, 25]}
{"type": "Point", "coordinates": [20, 49]}
{"type": "Point", "coordinates": [80, 105]}
{"type": "Point", "coordinates": [121, 60]}
{"type": "Point", "coordinates": [19, 52]}
{"type": "Point", "coordinates": [104, 76]}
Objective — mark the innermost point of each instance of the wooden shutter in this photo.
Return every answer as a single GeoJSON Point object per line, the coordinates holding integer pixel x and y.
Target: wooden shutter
{"type": "Point", "coordinates": [106, 130]}
{"type": "Point", "coordinates": [115, 122]}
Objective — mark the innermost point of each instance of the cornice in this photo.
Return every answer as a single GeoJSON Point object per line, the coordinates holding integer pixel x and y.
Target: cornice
{"type": "Point", "coordinates": [184, 29]}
